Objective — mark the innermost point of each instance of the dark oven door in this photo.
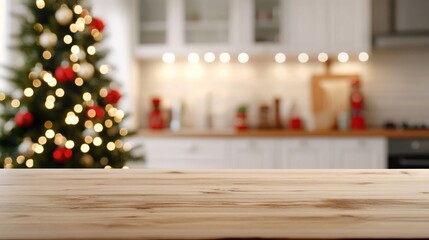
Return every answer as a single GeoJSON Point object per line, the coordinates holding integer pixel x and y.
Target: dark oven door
{"type": "Point", "coordinates": [408, 153]}
{"type": "Point", "coordinates": [408, 161]}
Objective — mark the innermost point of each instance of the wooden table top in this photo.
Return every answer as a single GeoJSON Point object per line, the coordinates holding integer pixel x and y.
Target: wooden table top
{"type": "Point", "coordinates": [213, 204]}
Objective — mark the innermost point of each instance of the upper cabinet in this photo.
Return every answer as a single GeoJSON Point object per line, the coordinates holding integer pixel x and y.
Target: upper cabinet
{"type": "Point", "coordinates": [349, 26]}
{"type": "Point", "coordinates": [207, 22]}
{"type": "Point", "coordinates": [153, 22]}
{"type": "Point", "coordinates": [266, 16]}
{"type": "Point", "coordinates": [252, 26]}
{"type": "Point", "coordinates": [307, 27]}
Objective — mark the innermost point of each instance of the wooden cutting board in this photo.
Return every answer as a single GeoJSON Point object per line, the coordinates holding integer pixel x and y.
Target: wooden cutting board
{"type": "Point", "coordinates": [213, 204]}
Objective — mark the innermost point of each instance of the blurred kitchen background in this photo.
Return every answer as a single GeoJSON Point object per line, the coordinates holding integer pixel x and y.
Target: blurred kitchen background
{"type": "Point", "coordinates": [269, 83]}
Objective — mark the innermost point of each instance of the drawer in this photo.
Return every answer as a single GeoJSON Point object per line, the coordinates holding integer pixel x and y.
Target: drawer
{"type": "Point", "coordinates": [192, 147]}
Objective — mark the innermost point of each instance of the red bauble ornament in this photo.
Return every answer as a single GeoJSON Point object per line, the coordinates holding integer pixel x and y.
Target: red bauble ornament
{"type": "Point", "coordinates": [24, 119]}
{"type": "Point", "coordinates": [62, 154]}
{"type": "Point", "coordinates": [113, 96]}
{"type": "Point", "coordinates": [97, 24]}
{"type": "Point", "coordinates": [95, 112]}
{"type": "Point", "coordinates": [64, 74]}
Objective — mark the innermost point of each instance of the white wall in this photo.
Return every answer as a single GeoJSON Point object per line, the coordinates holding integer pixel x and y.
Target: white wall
{"type": "Point", "coordinates": [4, 39]}
{"type": "Point", "coordinates": [396, 85]}
{"type": "Point", "coordinates": [119, 33]}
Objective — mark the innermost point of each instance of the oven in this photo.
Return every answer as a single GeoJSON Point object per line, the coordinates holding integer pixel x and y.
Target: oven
{"type": "Point", "coordinates": [408, 153]}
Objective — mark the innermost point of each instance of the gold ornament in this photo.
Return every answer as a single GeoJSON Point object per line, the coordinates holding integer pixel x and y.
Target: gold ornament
{"type": "Point", "coordinates": [87, 160]}
{"type": "Point", "coordinates": [25, 148]}
{"type": "Point", "coordinates": [64, 15]}
{"type": "Point", "coordinates": [86, 71]}
{"type": "Point", "coordinates": [48, 39]}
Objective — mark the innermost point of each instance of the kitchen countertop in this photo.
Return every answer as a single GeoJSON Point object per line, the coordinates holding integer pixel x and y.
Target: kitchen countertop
{"type": "Point", "coordinates": [213, 204]}
{"type": "Point", "coordinates": [286, 133]}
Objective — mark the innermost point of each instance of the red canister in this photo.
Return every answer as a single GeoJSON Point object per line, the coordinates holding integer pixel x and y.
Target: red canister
{"type": "Point", "coordinates": [295, 123]}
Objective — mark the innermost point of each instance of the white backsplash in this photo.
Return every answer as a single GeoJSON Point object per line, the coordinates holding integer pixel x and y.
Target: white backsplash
{"type": "Point", "coordinates": [395, 85]}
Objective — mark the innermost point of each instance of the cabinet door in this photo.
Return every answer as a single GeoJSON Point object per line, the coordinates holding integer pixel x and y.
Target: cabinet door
{"type": "Point", "coordinates": [306, 26]}
{"type": "Point", "coordinates": [206, 22]}
{"type": "Point", "coordinates": [184, 153]}
{"type": "Point", "coordinates": [360, 153]}
{"type": "Point", "coordinates": [266, 18]}
{"type": "Point", "coordinates": [152, 21]}
{"type": "Point", "coordinates": [349, 26]}
{"type": "Point", "coordinates": [252, 153]}
{"type": "Point", "coordinates": [261, 26]}
{"type": "Point", "coordinates": [156, 24]}
{"type": "Point", "coordinates": [305, 153]}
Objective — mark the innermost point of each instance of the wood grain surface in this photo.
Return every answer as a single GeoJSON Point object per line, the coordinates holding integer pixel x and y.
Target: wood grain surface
{"type": "Point", "coordinates": [286, 133]}
{"type": "Point", "coordinates": [213, 204]}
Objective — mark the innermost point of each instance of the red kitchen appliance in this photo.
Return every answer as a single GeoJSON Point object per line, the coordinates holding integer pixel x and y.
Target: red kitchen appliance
{"type": "Point", "coordinates": [357, 119]}
{"type": "Point", "coordinates": [156, 122]}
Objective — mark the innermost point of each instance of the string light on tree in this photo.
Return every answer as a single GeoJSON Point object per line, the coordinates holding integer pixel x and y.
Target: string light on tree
{"type": "Point", "coordinates": [42, 140]}
{"type": "Point", "coordinates": [20, 159]}
{"type": "Point", "coordinates": [29, 163]}
{"type": "Point", "coordinates": [104, 69]}
{"type": "Point", "coordinates": [84, 148]}
{"type": "Point", "coordinates": [40, 4]}
{"type": "Point", "coordinates": [78, 9]}
{"type": "Point", "coordinates": [97, 141]}
{"type": "Point", "coordinates": [15, 103]}
{"type": "Point", "coordinates": [91, 50]}
{"type": "Point", "coordinates": [28, 92]}
{"type": "Point", "coordinates": [78, 108]}
{"type": "Point", "coordinates": [67, 39]}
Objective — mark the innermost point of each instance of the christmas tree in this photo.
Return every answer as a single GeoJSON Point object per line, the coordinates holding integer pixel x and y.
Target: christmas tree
{"type": "Point", "coordinates": [63, 111]}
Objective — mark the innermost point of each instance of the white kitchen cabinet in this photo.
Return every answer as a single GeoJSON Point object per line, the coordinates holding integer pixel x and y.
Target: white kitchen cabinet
{"type": "Point", "coordinates": [307, 26]}
{"type": "Point", "coordinates": [305, 153]}
{"type": "Point", "coordinates": [191, 26]}
{"type": "Point", "coordinates": [349, 26]}
{"type": "Point", "coordinates": [243, 153]}
{"type": "Point", "coordinates": [330, 26]}
{"type": "Point", "coordinates": [252, 26]}
{"type": "Point", "coordinates": [153, 21]}
{"type": "Point", "coordinates": [207, 22]}
{"type": "Point", "coordinates": [184, 153]}
{"type": "Point", "coordinates": [360, 153]}
{"type": "Point", "coordinates": [252, 153]}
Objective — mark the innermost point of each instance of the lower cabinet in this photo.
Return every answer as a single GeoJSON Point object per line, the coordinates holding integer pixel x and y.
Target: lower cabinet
{"type": "Point", "coordinates": [260, 153]}
{"type": "Point", "coordinates": [182, 153]}
{"type": "Point", "coordinates": [360, 153]}
{"type": "Point", "coordinates": [252, 153]}
{"type": "Point", "coordinates": [305, 153]}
